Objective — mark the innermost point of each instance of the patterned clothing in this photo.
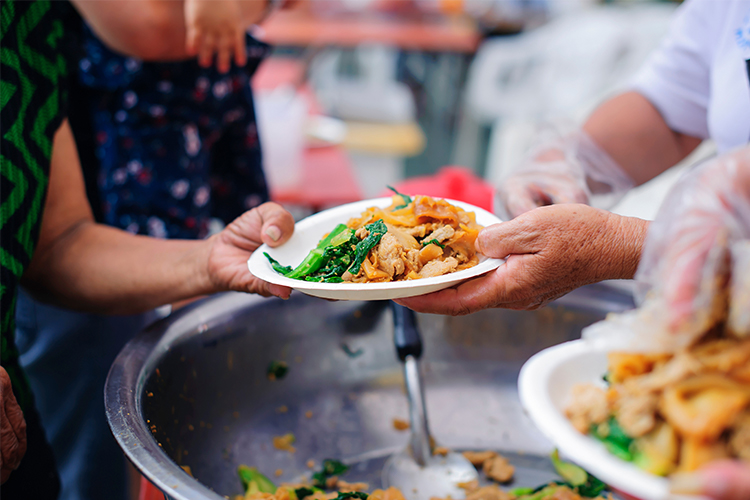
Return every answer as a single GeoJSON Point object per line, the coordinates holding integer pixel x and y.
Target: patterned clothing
{"type": "Point", "coordinates": [31, 110]}
{"type": "Point", "coordinates": [176, 144]}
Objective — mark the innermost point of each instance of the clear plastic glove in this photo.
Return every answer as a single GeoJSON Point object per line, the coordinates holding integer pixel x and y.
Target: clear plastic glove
{"type": "Point", "coordinates": [695, 266]}
{"type": "Point", "coordinates": [563, 168]}
{"type": "Point", "coordinates": [217, 28]}
{"type": "Point", "coordinates": [720, 481]}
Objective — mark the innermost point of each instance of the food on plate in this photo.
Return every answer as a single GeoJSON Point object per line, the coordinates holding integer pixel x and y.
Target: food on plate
{"type": "Point", "coordinates": [413, 238]}
{"type": "Point", "coordinates": [575, 484]}
{"type": "Point", "coordinates": [672, 412]}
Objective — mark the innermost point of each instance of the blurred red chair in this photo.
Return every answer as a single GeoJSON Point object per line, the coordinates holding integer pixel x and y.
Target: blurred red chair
{"type": "Point", "coordinates": [452, 182]}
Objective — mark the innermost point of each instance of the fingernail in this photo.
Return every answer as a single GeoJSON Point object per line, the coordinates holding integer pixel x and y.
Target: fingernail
{"type": "Point", "coordinates": [687, 483]}
{"type": "Point", "coordinates": [273, 232]}
{"type": "Point", "coordinates": [281, 292]}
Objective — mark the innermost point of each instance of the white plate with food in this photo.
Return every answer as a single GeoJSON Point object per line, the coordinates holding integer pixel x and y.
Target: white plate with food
{"type": "Point", "coordinates": [452, 250]}
{"type": "Point", "coordinates": [546, 384]}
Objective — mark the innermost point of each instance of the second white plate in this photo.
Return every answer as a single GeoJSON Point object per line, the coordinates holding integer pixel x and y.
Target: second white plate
{"type": "Point", "coordinates": [309, 231]}
{"type": "Point", "coordinates": [545, 385]}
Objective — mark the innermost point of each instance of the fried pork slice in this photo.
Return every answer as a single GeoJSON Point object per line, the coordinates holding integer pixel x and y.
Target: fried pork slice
{"type": "Point", "coordinates": [344, 486]}
{"type": "Point", "coordinates": [498, 469]}
{"type": "Point", "coordinates": [389, 252]}
{"type": "Point", "coordinates": [491, 492]}
{"type": "Point", "coordinates": [589, 406]}
{"type": "Point", "coordinates": [636, 413]}
{"type": "Point", "coordinates": [438, 267]}
{"type": "Point", "coordinates": [680, 367]}
{"type": "Point", "coordinates": [477, 458]}
{"type": "Point", "coordinates": [441, 234]}
{"type": "Point", "coordinates": [422, 229]}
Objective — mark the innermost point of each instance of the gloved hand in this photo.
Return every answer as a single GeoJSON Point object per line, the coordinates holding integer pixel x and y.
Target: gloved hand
{"type": "Point", "coordinates": [720, 481]}
{"type": "Point", "coordinates": [695, 265]}
{"type": "Point", "coordinates": [697, 242]}
{"type": "Point", "coordinates": [562, 168]}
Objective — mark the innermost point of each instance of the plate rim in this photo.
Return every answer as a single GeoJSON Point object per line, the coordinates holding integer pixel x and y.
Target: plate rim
{"type": "Point", "coordinates": [260, 268]}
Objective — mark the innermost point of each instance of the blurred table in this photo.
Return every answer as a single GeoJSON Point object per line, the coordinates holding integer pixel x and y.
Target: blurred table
{"type": "Point", "coordinates": [303, 28]}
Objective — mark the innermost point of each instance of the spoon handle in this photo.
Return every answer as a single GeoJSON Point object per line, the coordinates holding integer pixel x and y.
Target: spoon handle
{"type": "Point", "coordinates": [408, 343]}
{"type": "Point", "coordinates": [406, 336]}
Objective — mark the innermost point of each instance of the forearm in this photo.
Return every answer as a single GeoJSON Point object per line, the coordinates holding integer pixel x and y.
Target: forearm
{"type": "Point", "coordinates": [632, 131]}
{"type": "Point", "coordinates": [146, 29]}
{"type": "Point", "coordinates": [152, 30]}
{"type": "Point", "coordinates": [620, 246]}
{"type": "Point", "coordinates": [102, 269]}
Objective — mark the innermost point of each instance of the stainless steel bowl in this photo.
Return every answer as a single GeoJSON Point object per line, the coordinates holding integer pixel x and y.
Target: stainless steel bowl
{"type": "Point", "coordinates": [193, 389]}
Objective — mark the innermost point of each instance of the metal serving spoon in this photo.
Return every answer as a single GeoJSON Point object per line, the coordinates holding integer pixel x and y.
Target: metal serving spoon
{"type": "Point", "coordinates": [418, 473]}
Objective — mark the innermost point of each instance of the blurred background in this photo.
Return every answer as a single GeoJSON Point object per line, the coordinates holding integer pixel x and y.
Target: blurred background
{"type": "Point", "coordinates": [360, 94]}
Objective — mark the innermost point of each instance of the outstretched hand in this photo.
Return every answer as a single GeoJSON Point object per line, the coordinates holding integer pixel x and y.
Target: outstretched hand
{"type": "Point", "coordinates": [549, 251]}
{"type": "Point", "coordinates": [231, 248]}
{"type": "Point", "coordinates": [216, 28]}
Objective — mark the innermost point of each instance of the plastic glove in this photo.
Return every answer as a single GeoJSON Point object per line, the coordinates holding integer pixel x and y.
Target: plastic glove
{"type": "Point", "coordinates": [695, 266]}
{"type": "Point", "coordinates": [563, 168]}
{"type": "Point", "coordinates": [721, 481]}
{"type": "Point", "coordinates": [697, 242]}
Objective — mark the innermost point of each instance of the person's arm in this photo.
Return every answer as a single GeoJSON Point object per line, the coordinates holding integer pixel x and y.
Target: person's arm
{"type": "Point", "coordinates": [152, 30]}
{"type": "Point", "coordinates": [634, 134]}
{"type": "Point", "coordinates": [550, 251]}
{"type": "Point", "coordinates": [155, 30]}
{"type": "Point", "coordinates": [87, 266]}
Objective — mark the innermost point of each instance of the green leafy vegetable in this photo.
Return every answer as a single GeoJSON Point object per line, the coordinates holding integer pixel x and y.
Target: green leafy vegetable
{"type": "Point", "coordinates": [377, 229]}
{"type": "Point", "coordinates": [571, 473]}
{"type": "Point", "coordinates": [517, 492]}
{"type": "Point", "coordinates": [276, 266]}
{"type": "Point", "coordinates": [255, 482]}
{"type": "Point", "coordinates": [349, 352]}
{"type": "Point", "coordinates": [328, 239]}
{"type": "Point", "coordinates": [433, 242]}
{"type": "Point", "coordinates": [277, 370]}
{"type": "Point", "coordinates": [406, 199]}
{"type": "Point", "coordinates": [573, 477]}
{"type": "Point", "coordinates": [301, 493]}
{"type": "Point", "coordinates": [330, 468]}
{"type": "Point", "coordinates": [312, 262]}
{"type": "Point", "coordinates": [343, 495]}
{"type": "Point", "coordinates": [614, 439]}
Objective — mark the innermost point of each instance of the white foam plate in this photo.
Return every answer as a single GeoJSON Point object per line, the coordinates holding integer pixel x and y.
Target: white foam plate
{"type": "Point", "coordinates": [545, 385]}
{"type": "Point", "coordinates": [309, 231]}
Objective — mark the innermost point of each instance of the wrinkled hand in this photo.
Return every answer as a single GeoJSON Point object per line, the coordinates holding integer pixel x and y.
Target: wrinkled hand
{"type": "Point", "coordinates": [217, 27]}
{"type": "Point", "coordinates": [723, 480]}
{"type": "Point", "coordinates": [550, 251]}
{"type": "Point", "coordinates": [230, 249]}
{"type": "Point", "coordinates": [686, 256]}
{"type": "Point", "coordinates": [12, 429]}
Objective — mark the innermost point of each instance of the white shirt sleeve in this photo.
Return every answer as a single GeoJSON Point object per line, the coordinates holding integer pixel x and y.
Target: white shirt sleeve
{"type": "Point", "coordinates": [676, 78]}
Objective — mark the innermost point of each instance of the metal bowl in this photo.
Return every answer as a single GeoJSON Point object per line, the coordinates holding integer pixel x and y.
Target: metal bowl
{"type": "Point", "coordinates": [193, 388]}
